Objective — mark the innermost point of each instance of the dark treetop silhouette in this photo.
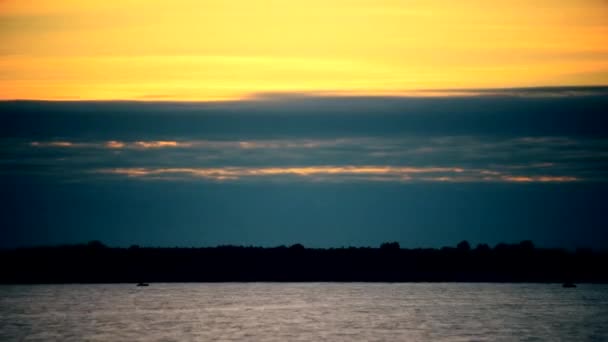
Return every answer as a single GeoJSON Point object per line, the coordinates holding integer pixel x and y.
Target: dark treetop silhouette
{"type": "Point", "coordinates": [94, 262]}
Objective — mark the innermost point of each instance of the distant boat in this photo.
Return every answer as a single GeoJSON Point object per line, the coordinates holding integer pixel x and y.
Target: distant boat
{"type": "Point", "coordinates": [568, 285]}
{"type": "Point", "coordinates": [143, 284]}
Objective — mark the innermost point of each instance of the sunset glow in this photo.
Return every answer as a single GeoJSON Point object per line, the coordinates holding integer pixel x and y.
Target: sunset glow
{"type": "Point", "coordinates": [217, 50]}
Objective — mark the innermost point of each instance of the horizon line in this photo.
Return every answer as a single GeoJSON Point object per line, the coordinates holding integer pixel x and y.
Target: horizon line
{"type": "Point", "coordinates": [422, 93]}
{"type": "Point", "coordinates": [388, 244]}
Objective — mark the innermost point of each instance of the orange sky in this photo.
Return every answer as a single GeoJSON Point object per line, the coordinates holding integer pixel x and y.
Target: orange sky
{"type": "Point", "coordinates": [211, 50]}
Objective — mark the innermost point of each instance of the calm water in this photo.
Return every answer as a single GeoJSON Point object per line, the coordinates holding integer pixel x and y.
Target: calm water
{"type": "Point", "coordinates": [305, 312]}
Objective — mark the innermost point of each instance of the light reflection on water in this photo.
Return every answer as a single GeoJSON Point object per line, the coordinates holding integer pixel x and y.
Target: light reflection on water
{"type": "Point", "coordinates": [304, 312]}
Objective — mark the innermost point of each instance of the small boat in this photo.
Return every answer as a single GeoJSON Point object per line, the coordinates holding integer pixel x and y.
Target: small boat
{"type": "Point", "coordinates": [568, 285]}
{"type": "Point", "coordinates": [143, 284]}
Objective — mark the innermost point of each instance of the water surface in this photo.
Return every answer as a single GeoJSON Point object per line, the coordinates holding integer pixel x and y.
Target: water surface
{"type": "Point", "coordinates": [304, 312]}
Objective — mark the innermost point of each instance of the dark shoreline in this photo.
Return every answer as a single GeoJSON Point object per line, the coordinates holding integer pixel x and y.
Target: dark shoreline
{"type": "Point", "coordinates": [505, 263]}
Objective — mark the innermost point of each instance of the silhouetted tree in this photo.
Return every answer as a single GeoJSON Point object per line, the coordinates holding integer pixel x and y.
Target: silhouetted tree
{"type": "Point", "coordinates": [297, 247]}
{"type": "Point", "coordinates": [483, 247]}
{"type": "Point", "coordinates": [464, 246]}
{"type": "Point", "coordinates": [526, 245]}
{"type": "Point", "coordinates": [93, 262]}
{"type": "Point", "coordinates": [96, 244]}
{"type": "Point", "coordinates": [501, 247]}
{"type": "Point", "coordinates": [390, 246]}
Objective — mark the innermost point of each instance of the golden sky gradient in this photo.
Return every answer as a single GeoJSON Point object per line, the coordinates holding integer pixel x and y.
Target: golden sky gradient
{"type": "Point", "coordinates": [227, 49]}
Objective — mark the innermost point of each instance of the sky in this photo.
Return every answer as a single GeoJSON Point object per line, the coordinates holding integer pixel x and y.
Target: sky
{"type": "Point", "coordinates": [326, 123]}
{"type": "Point", "coordinates": [224, 50]}
{"type": "Point", "coordinates": [323, 171]}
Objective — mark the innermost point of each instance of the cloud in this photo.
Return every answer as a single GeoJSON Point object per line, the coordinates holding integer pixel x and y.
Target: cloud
{"type": "Point", "coordinates": [370, 173]}
{"type": "Point", "coordinates": [542, 179]}
{"type": "Point", "coordinates": [407, 158]}
{"type": "Point", "coordinates": [114, 144]}
{"type": "Point", "coordinates": [578, 113]}
{"type": "Point", "coordinates": [549, 135]}
{"type": "Point", "coordinates": [208, 144]}
{"type": "Point", "coordinates": [516, 92]}
{"type": "Point", "coordinates": [160, 144]}
{"type": "Point", "coordinates": [55, 144]}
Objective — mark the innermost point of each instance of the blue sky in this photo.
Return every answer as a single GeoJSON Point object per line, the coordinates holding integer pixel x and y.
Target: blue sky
{"type": "Point", "coordinates": [486, 166]}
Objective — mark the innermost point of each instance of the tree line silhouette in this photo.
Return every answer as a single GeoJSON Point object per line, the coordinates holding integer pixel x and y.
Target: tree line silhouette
{"type": "Point", "coordinates": [96, 263]}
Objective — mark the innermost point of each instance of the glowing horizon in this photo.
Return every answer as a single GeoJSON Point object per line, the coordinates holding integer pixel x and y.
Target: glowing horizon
{"type": "Point", "coordinates": [217, 50]}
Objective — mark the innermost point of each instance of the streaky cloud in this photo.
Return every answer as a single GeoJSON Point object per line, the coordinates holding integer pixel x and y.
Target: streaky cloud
{"type": "Point", "coordinates": [217, 144]}
{"type": "Point", "coordinates": [516, 92]}
{"type": "Point", "coordinates": [542, 179]}
{"type": "Point", "coordinates": [566, 111]}
{"type": "Point", "coordinates": [160, 144]}
{"type": "Point", "coordinates": [114, 144]}
{"type": "Point", "coordinates": [56, 144]}
{"type": "Point", "coordinates": [582, 159]}
{"type": "Point", "coordinates": [334, 174]}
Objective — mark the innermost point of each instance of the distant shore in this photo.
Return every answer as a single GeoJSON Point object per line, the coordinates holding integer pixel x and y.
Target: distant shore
{"type": "Point", "coordinates": [97, 263]}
